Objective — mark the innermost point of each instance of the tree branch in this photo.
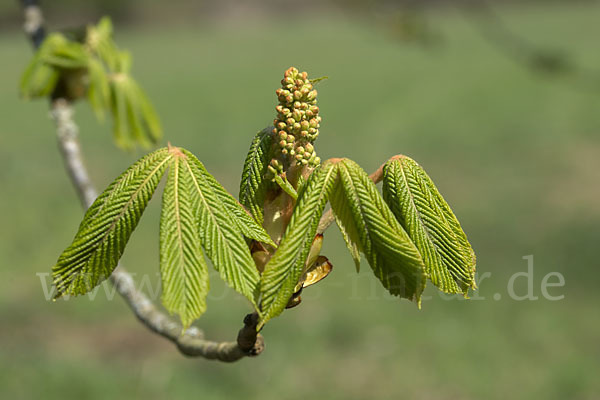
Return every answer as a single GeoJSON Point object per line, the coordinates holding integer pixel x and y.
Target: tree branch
{"type": "Point", "coordinates": [191, 342]}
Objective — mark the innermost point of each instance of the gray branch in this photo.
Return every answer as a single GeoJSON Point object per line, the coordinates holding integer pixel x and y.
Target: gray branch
{"type": "Point", "coordinates": [191, 342]}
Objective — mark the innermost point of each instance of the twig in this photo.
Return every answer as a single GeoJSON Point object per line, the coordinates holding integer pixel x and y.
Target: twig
{"type": "Point", "coordinates": [190, 342]}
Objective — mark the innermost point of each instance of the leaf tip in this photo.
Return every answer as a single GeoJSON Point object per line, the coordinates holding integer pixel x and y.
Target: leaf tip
{"type": "Point", "coordinates": [175, 151]}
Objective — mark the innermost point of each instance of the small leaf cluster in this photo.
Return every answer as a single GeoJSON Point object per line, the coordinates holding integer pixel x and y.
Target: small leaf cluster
{"type": "Point", "coordinates": [93, 67]}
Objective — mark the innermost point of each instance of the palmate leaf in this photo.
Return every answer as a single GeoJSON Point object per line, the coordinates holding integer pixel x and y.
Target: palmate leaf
{"type": "Point", "coordinates": [183, 269]}
{"type": "Point", "coordinates": [253, 185]}
{"type": "Point", "coordinates": [222, 240]}
{"type": "Point", "coordinates": [107, 226]}
{"type": "Point", "coordinates": [283, 270]}
{"type": "Point", "coordinates": [423, 212]}
{"type": "Point", "coordinates": [369, 225]}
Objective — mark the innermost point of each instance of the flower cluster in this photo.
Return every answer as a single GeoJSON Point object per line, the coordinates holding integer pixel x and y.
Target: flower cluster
{"type": "Point", "coordinates": [297, 122]}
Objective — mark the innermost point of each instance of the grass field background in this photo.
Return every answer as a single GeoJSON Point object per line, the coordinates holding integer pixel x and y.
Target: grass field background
{"type": "Point", "coordinates": [515, 153]}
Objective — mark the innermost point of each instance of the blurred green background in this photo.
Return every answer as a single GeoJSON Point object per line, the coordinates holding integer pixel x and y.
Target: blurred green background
{"type": "Point", "coordinates": [515, 149]}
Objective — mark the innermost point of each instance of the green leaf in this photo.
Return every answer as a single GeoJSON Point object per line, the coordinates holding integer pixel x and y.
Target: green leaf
{"type": "Point", "coordinates": [107, 226]}
{"type": "Point", "coordinates": [392, 255]}
{"type": "Point", "coordinates": [133, 115]}
{"type": "Point", "coordinates": [284, 269]}
{"type": "Point", "coordinates": [99, 41]}
{"type": "Point", "coordinates": [286, 186]}
{"type": "Point", "coordinates": [183, 269]}
{"type": "Point", "coordinates": [222, 240]}
{"type": "Point", "coordinates": [98, 89]}
{"type": "Point", "coordinates": [119, 113]}
{"type": "Point", "coordinates": [148, 115]}
{"type": "Point", "coordinates": [39, 78]}
{"type": "Point", "coordinates": [431, 224]}
{"type": "Point", "coordinates": [239, 216]}
{"type": "Point", "coordinates": [135, 119]}
{"type": "Point", "coordinates": [345, 221]}
{"type": "Point", "coordinates": [253, 186]}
